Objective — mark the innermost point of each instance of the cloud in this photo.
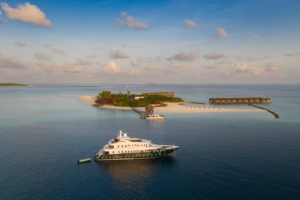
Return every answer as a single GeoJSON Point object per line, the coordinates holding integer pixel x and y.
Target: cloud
{"type": "Point", "coordinates": [80, 61]}
{"type": "Point", "coordinates": [270, 66]}
{"type": "Point", "coordinates": [170, 71]}
{"type": "Point", "coordinates": [176, 65]}
{"type": "Point", "coordinates": [40, 56]}
{"type": "Point", "coordinates": [292, 54]}
{"type": "Point", "coordinates": [215, 56]}
{"type": "Point", "coordinates": [61, 69]}
{"type": "Point", "coordinates": [129, 46]}
{"type": "Point", "coordinates": [58, 51]}
{"type": "Point", "coordinates": [112, 68]}
{"type": "Point", "coordinates": [243, 68]}
{"type": "Point", "coordinates": [71, 68]}
{"type": "Point", "coordinates": [118, 55]}
{"type": "Point", "coordinates": [210, 67]}
{"type": "Point", "coordinates": [11, 63]}
{"type": "Point", "coordinates": [47, 67]}
{"type": "Point", "coordinates": [151, 67]}
{"type": "Point", "coordinates": [48, 45]}
{"type": "Point", "coordinates": [189, 24]}
{"type": "Point", "coordinates": [0, 14]}
{"type": "Point", "coordinates": [123, 14]}
{"type": "Point", "coordinates": [20, 44]}
{"type": "Point", "coordinates": [185, 56]}
{"type": "Point", "coordinates": [257, 58]}
{"type": "Point", "coordinates": [26, 13]}
{"type": "Point", "coordinates": [221, 33]}
{"type": "Point", "coordinates": [251, 58]}
{"type": "Point", "coordinates": [256, 37]}
{"type": "Point", "coordinates": [223, 63]}
{"type": "Point", "coordinates": [131, 23]}
{"type": "Point", "coordinates": [91, 56]}
{"type": "Point", "coordinates": [134, 63]}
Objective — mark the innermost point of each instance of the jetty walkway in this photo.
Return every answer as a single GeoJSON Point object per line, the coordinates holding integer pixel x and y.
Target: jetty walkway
{"type": "Point", "coordinates": [137, 111]}
{"type": "Point", "coordinates": [195, 102]}
{"type": "Point", "coordinates": [270, 111]}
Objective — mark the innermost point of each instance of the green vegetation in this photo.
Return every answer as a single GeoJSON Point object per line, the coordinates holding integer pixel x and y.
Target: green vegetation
{"type": "Point", "coordinates": [12, 84]}
{"type": "Point", "coordinates": [127, 100]}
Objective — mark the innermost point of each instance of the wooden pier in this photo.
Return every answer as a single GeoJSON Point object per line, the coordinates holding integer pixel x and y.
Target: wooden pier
{"type": "Point", "coordinates": [195, 102]}
{"type": "Point", "coordinates": [142, 114]}
{"type": "Point", "coordinates": [137, 111]}
{"type": "Point", "coordinates": [270, 111]}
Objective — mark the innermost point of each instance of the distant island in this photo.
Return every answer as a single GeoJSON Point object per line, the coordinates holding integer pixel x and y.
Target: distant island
{"type": "Point", "coordinates": [12, 84]}
{"type": "Point", "coordinates": [133, 100]}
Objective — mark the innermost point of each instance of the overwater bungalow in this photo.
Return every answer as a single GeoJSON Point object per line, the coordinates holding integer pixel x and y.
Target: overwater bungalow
{"type": "Point", "coordinates": [251, 100]}
{"type": "Point", "coordinates": [223, 100]}
{"type": "Point", "coordinates": [261, 100]}
{"type": "Point", "coordinates": [267, 100]}
{"type": "Point", "coordinates": [256, 100]}
{"type": "Point", "coordinates": [217, 100]}
{"type": "Point", "coordinates": [245, 100]}
{"type": "Point", "coordinates": [240, 100]}
{"type": "Point", "coordinates": [228, 100]}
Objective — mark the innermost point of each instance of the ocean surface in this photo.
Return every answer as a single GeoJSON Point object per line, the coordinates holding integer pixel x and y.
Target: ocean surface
{"type": "Point", "coordinates": [45, 129]}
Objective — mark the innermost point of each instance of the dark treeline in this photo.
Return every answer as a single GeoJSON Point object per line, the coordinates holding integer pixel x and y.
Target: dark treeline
{"type": "Point", "coordinates": [12, 84]}
{"type": "Point", "coordinates": [128, 100]}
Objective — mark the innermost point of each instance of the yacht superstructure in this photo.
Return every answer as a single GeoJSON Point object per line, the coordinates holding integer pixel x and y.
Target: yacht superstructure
{"type": "Point", "coordinates": [126, 148]}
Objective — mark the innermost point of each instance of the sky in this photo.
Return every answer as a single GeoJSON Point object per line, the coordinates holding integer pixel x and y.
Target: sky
{"type": "Point", "coordinates": [133, 42]}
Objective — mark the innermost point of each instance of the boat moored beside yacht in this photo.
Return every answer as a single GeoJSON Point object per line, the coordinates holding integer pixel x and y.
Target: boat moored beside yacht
{"type": "Point", "coordinates": [126, 148]}
{"type": "Point", "coordinates": [155, 117]}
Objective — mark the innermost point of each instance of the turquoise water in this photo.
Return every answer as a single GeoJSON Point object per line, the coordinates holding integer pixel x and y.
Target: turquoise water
{"type": "Point", "coordinates": [45, 129]}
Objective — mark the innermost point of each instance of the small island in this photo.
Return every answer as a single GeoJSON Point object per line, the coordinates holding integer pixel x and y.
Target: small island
{"type": "Point", "coordinates": [164, 102]}
{"type": "Point", "coordinates": [11, 84]}
{"type": "Point", "coordinates": [157, 99]}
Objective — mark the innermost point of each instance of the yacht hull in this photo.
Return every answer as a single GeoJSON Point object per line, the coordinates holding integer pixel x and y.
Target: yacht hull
{"type": "Point", "coordinates": [134, 156]}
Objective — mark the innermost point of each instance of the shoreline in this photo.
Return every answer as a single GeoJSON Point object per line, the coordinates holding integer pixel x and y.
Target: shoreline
{"type": "Point", "coordinates": [171, 108]}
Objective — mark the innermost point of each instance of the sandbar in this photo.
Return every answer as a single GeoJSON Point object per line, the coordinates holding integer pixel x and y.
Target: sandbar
{"type": "Point", "coordinates": [88, 100]}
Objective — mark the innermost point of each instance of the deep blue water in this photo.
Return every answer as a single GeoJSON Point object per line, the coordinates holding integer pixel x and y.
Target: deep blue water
{"type": "Point", "coordinates": [45, 129]}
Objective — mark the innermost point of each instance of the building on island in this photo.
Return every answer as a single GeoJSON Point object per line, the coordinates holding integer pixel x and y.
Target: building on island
{"type": "Point", "coordinates": [160, 93]}
{"type": "Point", "coordinates": [136, 97]}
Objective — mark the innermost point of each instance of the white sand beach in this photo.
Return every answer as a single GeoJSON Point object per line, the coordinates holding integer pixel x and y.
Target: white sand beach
{"type": "Point", "coordinates": [88, 100]}
{"type": "Point", "coordinates": [173, 107]}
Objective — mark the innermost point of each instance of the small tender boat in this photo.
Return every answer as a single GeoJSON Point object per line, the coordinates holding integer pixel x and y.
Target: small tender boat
{"type": "Point", "coordinates": [126, 148]}
{"type": "Point", "coordinates": [84, 160]}
{"type": "Point", "coordinates": [155, 117]}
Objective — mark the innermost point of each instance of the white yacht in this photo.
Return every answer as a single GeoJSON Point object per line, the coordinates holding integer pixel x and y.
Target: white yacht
{"type": "Point", "coordinates": [155, 117]}
{"type": "Point", "coordinates": [126, 148]}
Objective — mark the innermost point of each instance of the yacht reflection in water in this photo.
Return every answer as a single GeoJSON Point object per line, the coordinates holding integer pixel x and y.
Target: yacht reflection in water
{"type": "Point", "coordinates": [126, 171]}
